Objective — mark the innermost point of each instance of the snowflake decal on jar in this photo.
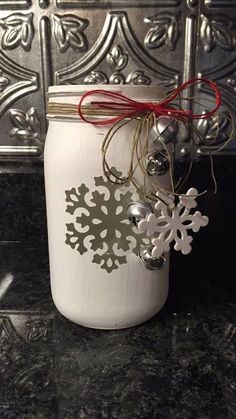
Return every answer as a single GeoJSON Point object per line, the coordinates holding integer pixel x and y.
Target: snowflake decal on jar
{"type": "Point", "coordinates": [173, 223]}
{"type": "Point", "coordinates": [100, 223]}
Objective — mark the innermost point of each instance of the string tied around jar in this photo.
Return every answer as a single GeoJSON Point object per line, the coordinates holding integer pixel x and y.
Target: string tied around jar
{"type": "Point", "coordinates": [118, 110]}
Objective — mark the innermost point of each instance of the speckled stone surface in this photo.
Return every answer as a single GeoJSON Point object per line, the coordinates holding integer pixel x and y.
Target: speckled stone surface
{"type": "Point", "coordinates": [179, 365]}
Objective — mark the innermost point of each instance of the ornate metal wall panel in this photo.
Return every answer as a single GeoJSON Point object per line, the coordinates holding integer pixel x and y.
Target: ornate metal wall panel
{"type": "Point", "coordinates": [216, 59]}
{"type": "Point", "coordinates": [85, 41]}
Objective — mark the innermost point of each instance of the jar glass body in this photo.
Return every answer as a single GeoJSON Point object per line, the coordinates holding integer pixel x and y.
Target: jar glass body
{"type": "Point", "coordinates": [97, 279]}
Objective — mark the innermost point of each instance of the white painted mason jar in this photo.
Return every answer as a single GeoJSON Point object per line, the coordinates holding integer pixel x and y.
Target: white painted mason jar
{"type": "Point", "coordinates": [97, 278]}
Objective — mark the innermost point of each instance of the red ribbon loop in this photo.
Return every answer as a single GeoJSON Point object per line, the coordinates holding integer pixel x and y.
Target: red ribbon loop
{"type": "Point", "coordinates": [129, 108]}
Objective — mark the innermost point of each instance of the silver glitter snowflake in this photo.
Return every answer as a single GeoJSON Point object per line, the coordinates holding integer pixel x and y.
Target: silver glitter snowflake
{"type": "Point", "coordinates": [99, 223]}
{"type": "Point", "coordinates": [173, 223]}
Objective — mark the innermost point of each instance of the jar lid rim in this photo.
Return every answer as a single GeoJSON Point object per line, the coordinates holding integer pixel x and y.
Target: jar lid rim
{"type": "Point", "coordinates": [66, 89]}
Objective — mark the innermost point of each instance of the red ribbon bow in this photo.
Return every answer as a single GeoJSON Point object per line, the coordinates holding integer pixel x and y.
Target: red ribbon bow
{"type": "Point", "coordinates": [130, 108]}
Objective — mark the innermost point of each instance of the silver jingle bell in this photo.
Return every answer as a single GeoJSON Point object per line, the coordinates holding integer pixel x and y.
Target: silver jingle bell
{"type": "Point", "coordinates": [138, 210]}
{"type": "Point", "coordinates": [151, 263]}
{"type": "Point", "coordinates": [166, 128]}
{"type": "Point", "coordinates": [157, 163]}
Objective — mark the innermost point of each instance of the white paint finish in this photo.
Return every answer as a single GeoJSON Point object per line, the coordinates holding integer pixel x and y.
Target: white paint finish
{"type": "Point", "coordinates": [82, 291]}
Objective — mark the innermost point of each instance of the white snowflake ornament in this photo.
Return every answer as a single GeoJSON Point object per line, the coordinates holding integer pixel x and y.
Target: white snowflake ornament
{"type": "Point", "coordinates": [173, 223]}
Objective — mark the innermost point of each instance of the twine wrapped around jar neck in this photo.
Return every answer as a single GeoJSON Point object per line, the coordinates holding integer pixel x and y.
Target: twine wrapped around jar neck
{"type": "Point", "coordinates": [118, 110]}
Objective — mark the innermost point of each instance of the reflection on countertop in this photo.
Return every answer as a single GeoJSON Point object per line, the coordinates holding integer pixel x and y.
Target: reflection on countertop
{"type": "Point", "coordinates": [181, 364]}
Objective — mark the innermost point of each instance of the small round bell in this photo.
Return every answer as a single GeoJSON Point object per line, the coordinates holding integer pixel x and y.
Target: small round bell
{"type": "Point", "coordinates": [166, 128]}
{"type": "Point", "coordinates": [157, 163]}
{"type": "Point", "coordinates": [151, 263]}
{"type": "Point", "coordinates": [138, 210]}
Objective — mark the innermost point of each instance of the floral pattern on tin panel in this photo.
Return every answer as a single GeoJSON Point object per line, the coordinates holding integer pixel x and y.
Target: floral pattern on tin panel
{"type": "Point", "coordinates": [99, 223]}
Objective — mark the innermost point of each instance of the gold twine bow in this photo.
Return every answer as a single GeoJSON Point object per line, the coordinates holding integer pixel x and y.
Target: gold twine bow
{"type": "Point", "coordinates": [145, 121]}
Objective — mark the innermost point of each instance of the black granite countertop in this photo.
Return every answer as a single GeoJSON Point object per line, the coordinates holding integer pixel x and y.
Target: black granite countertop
{"type": "Point", "coordinates": [179, 365]}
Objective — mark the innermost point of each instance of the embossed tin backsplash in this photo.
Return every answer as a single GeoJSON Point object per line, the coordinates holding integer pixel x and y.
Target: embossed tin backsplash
{"type": "Point", "coordinates": [160, 42]}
